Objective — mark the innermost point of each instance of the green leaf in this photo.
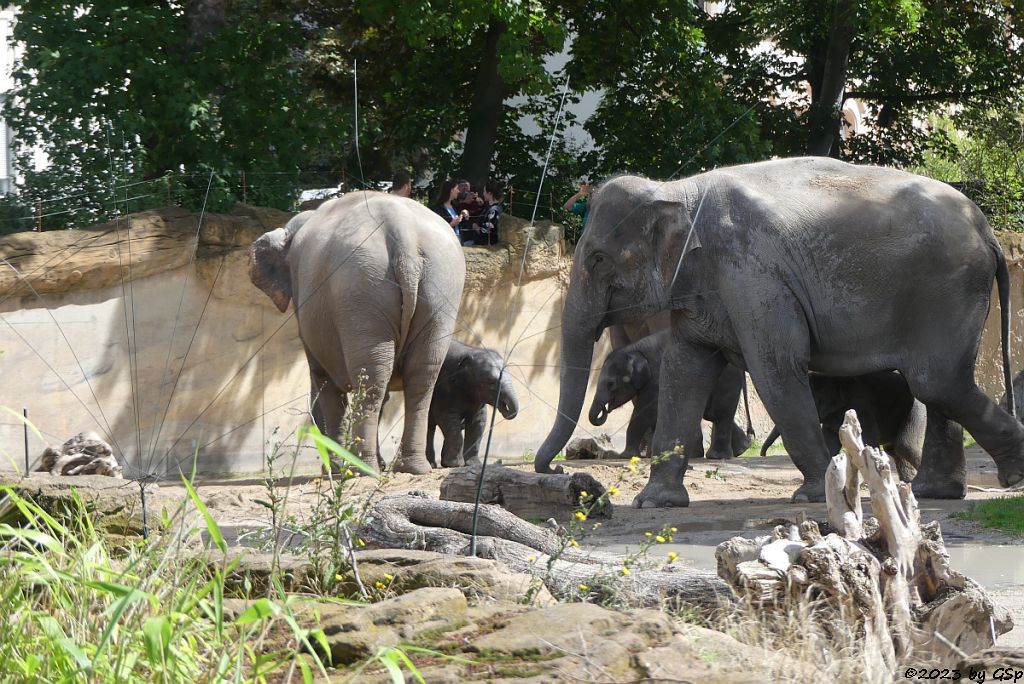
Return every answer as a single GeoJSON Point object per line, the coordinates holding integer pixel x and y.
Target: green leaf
{"type": "Point", "coordinates": [259, 610]}
{"type": "Point", "coordinates": [326, 447]}
{"type": "Point", "coordinates": [211, 525]}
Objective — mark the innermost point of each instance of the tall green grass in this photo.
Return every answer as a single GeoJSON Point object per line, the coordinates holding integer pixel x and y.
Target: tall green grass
{"type": "Point", "coordinates": [72, 610]}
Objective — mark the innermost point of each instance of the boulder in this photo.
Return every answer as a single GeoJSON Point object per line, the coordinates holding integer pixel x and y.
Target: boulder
{"type": "Point", "coordinates": [588, 448]}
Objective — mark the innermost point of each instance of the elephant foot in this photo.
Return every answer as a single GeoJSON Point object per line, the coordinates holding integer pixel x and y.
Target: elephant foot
{"type": "Point", "coordinates": [809, 492]}
{"type": "Point", "coordinates": [740, 443]}
{"type": "Point", "coordinates": [932, 486]}
{"type": "Point", "coordinates": [546, 469]}
{"type": "Point", "coordinates": [1011, 472]}
{"type": "Point", "coordinates": [659, 495]}
{"type": "Point", "coordinates": [416, 466]}
{"type": "Point", "coordinates": [718, 455]}
{"type": "Point", "coordinates": [454, 463]}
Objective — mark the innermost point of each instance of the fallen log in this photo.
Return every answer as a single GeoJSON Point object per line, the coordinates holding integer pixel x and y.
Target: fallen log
{"type": "Point", "coordinates": [528, 494]}
{"type": "Point", "coordinates": [417, 521]}
{"type": "Point", "coordinates": [885, 578]}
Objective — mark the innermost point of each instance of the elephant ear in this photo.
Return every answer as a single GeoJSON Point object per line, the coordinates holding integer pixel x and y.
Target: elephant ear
{"type": "Point", "coordinates": [673, 237]}
{"type": "Point", "coordinates": [638, 370]}
{"type": "Point", "coordinates": [268, 266]}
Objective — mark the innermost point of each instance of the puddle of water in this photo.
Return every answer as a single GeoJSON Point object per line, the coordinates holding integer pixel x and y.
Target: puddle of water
{"type": "Point", "coordinates": [993, 566]}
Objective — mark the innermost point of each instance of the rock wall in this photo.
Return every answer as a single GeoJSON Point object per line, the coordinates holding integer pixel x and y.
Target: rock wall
{"type": "Point", "coordinates": [147, 330]}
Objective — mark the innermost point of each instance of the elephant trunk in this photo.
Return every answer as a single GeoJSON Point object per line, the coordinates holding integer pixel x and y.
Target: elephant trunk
{"type": "Point", "coordinates": [599, 410]}
{"type": "Point", "coordinates": [579, 331]}
{"type": "Point", "coordinates": [508, 403]}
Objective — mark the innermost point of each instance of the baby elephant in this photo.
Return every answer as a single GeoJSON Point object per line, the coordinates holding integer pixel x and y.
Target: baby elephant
{"type": "Point", "coordinates": [467, 384]}
{"type": "Point", "coordinates": [889, 415]}
{"type": "Point", "coordinates": [630, 373]}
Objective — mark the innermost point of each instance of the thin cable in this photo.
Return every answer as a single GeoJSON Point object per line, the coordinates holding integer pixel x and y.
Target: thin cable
{"type": "Point", "coordinates": [177, 317]}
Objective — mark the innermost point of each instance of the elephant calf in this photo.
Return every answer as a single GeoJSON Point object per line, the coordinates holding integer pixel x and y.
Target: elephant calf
{"type": "Point", "coordinates": [630, 373]}
{"type": "Point", "coordinates": [889, 415]}
{"type": "Point", "coordinates": [467, 384]}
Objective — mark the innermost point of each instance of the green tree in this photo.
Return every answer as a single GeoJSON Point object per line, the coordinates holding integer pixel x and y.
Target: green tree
{"type": "Point", "coordinates": [902, 58]}
{"type": "Point", "coordinates": [115, 93]}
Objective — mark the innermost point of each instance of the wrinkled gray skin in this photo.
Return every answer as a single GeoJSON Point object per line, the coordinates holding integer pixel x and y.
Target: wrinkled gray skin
{"type": "Point", "coordinates": [794, 265]}
{"type": "Point", "coordinates": [467, 385]}
{"type": "Point", "coordinates": [630, 373]}
{"type": "Point", "coordinates": [1018, 396]}
{"type": "Point", "coordinates": [889, 416]}
{"type": "Point", "coordinates": [376, 280]}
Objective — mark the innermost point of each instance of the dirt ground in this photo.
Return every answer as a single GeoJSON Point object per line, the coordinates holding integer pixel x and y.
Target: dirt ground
{"type": "Point", "coordinates": [745, 496]}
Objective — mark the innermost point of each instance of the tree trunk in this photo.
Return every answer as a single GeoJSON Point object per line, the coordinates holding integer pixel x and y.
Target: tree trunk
{"type": "Point", "coordinates": [203, 18]}
{"type": "Point", "coordinates": [529, 495]}
{"type": "Point", "coordinates": [885, 581]}
{"type": "Point", "coordinates": [485, 111]}
{"type": "Point", "coordinates": [826, 113]}
{"type": "Point", "coordinates": [415, 521]}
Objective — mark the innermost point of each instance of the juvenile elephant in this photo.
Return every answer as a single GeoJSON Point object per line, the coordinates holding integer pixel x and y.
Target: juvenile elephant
{"type": "Point", "coordinates": [889, 416]}
{"type": "Point", "coordinates": [377, 281]}
{"type": "Point", "coordinates": [630, 373]}
{"type": "Point", "coordinates": [784, 267]}
{"type": "Point", "coordinates": [468, 383]}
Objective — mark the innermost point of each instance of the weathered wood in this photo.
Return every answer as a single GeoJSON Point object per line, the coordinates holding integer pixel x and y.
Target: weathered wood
{"type": "Point", "coordinates": [416, 521]}
{"type": "Point", "coordinates": [529, 494]}
{"type": "Point", "coordinates": [885, 578]}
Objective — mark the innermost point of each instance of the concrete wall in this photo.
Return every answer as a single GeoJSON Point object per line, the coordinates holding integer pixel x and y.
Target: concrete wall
{"type": "Point", "coordinates": [173, 352]}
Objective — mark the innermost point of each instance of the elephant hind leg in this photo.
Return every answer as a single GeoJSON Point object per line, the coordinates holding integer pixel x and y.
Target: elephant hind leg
{"type": "Point", "coordinates": [327, 403]}
{"type": "Point", "coordinates": [371, 369]}
{"type": "Point", "coordinates": [721, 411]}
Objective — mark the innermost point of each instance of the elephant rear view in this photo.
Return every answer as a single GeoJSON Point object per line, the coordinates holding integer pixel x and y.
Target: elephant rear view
{"type": "Point", "coordinates": [376, 282]}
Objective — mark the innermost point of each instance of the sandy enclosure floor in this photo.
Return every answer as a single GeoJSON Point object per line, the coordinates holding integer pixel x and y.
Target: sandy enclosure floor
{"type": "Point", "coordinates": [745, 496]}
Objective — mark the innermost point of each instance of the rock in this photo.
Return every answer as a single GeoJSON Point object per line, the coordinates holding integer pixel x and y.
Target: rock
{"type": "Point", "coordinates": [356, 632]}
{"type": "Point", "coordinates": [478, 578]}
{"type": "Point", "coordinates": [296, 574]}
{"type": "Point", "coordinates": [114, 506]}
{"type": "Point", "coordinates": [587, 448]}
{"type": "Point", "coordinates": [84, 454]}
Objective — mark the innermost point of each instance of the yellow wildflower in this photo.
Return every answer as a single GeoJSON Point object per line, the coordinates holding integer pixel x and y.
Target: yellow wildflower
{"type": "Point", "coordinates": [531, 559]}
{"type": "Point", "coordinates": [581, 516]}
{"type": "Point", "coordinates": [583, 494]}
{"type": "Point", "coordinates": [631, 468]}
{"type": "Point", "coordinates": [574, 544]}
{"type": "Point", "coordinates": [388, 577]}
{"type": "Point", "coordinates": [673, 530]}
{"type": "Point", "coordinates": [360, 542]}
{"type": "Point", "coordinates": [613, 490]}
{"type": "Point", "coordinates": [624, 571]}
{"type": "Point", "coordinates": [647, 534]}
{"type": "Point", "coordinates": [635, 460]}
{"type": "Point", "coordinates": [672, 556]}
{"type": "Point", "coordinates": [584, 587]}
{"type": "Point", "coordinates": [378, 584]}
{"type": "Point", "coordinates": [339, 578]}
{"type": "Point", "coordinates": [659, 539]}
{"type": "Point", "coordinates": [349, 473]}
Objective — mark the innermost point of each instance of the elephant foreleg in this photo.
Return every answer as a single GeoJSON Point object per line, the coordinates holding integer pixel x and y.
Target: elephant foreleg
{"type": "Point", "coordinates": [943, 471]}
{"type": "Point", "coordinates": [644, 419]}
{"type": "Point", "coordinates": [476, 427]}
{"type": "Point", "coordinates": [721, 411]}
{"type": "Point", "coordinates": [688, 376]}
{"type": "Point", "coordinates": [451, 430]}
{"type": "Point", "coordinates": [431, 429]}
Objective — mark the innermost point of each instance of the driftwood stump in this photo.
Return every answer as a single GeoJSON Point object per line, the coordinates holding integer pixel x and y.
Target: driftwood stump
{"type": "Point", "coordinates": [887, 578]}
{"type": "Point", "coordinates": [418, 521]}
{"type": "Point", "coordinates": [527, 494]}
{"type": "Point", "coordinates": [84, 454]}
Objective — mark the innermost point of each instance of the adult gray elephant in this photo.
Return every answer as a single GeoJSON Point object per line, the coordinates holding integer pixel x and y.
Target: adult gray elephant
{"type": "Point", "coordinates": [468, 383]}
{"type": "Point", "coordinates": [630, 373]}
{"type": "Point", "coordinates": [377, 281]}
{"type": "Point", "coordinates": [787, 266]}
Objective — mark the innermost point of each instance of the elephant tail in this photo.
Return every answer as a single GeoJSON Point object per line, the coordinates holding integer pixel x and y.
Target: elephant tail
{"type": "Point", "coordinates": [1003, 282]}
{"type": "Point", "coordinates": [769, 440]}
{"type": "Point", "coordinates": [746, 407]}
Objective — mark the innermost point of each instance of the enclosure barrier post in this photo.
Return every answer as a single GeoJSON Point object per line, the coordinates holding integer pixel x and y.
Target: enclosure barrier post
{"type": "Point", "coordinates": [24, 426]}
{"type": "Point", "coordinates": [39, 216]}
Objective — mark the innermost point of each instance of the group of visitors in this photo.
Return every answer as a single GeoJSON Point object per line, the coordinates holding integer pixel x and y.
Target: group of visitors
{"type": "Point", "coordinates": [474, 219]}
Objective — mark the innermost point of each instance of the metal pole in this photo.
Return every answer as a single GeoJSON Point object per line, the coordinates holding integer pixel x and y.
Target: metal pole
{"type": "Point", "coordinates": [39, 216]}
{"type": "Point", "coordinates": [24, 412]}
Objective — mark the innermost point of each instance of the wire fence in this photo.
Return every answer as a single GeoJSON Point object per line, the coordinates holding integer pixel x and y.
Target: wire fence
{"type": "Point", "coordinates": [285, 190]}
